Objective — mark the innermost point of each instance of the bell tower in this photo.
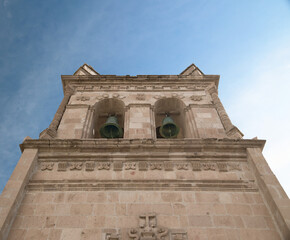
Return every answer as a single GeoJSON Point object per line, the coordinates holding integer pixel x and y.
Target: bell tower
{"type": "Point", "coordinates": [146, 157]}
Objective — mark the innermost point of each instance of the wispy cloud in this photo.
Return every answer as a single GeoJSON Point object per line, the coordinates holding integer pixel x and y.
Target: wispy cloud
{"type": "Point", "coordinates": [262, 108]}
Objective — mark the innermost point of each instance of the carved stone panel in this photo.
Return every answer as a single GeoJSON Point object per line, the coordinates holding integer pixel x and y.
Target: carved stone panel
{"type": "Point", "coordinates": [143, 166]}
{"type": "Point", "coordinates": [182, 166]}
{"type": "Point", "coordinates": [130, 166]}
{"type": "Point", "coordinates": [90, 166]}
{"type": "Point", "coordinates": [76, 166]}
{"type": "Point", "coordinates": [222, 167]}
{"type": "Point", "coordinates": [148, 229]}
{"type": "Point", "coordinates": [156, 165]}
{"type": "Point", "coordinates": [61, 166]}
{"type": "Point", "coordinates": [47, 166]}
{"type": "Point", "coordinates": [178, 235]}
{"type": "Point", "coordinates": [104, 166]}
{"type": "Point", "coordinates": [168, 166]}
{"type": "Point", "coordinates": [196, 166]}
{"type": "Point", "coordinates": [118, 166]}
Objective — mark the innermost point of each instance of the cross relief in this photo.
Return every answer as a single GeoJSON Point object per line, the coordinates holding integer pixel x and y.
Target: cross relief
{"type": "Point", "coordinates": [148, 230]}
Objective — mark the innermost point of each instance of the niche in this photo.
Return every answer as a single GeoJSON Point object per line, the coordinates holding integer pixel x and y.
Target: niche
{"type": "Point", "coordinates": [171, 109]}
{"type": "Point", "coordinates": [110, 112]}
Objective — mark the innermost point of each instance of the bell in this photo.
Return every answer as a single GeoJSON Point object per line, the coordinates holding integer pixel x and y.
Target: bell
{"type": "Point", "coordinates": [111, 128]}
{"type": "Point", "coordinates": [168, 129]}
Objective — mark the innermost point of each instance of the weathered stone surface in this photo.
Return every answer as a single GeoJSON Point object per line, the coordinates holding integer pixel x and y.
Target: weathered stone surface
{"type": "Point", "coordinates": [207, 183]}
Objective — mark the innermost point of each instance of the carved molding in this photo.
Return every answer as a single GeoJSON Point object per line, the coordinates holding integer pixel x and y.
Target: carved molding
{"type": "Point", "coordinates": [109, 95]}
{"type": "Point", "coordinates": [140, 87]}
{"type": "Point", "coordinates": [47, 166]}
{"type": "Point", "coordinates": [83, 98]}
{"type": "Point", "coordinates": [196, 98]}
{"type": "Point", "coordinates": [143, 166]}
{"type": "Point", "coordinates": [173, 95]}
{"type": "Point", "coordinates": [140, 97]}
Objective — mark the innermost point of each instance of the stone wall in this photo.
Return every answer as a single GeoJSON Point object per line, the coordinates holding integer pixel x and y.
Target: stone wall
{"type": "Point", "coordinates": [186, 189]}
{"type": "Point", "coordinates": [74, 215]}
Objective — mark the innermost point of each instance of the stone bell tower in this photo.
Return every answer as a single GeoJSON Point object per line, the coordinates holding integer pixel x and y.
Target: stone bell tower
{"type": "Point", "coordinates": [147, 157]}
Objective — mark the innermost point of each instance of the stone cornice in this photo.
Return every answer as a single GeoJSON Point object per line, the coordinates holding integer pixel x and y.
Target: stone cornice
{"type": "Point", "coordinates": [145, 79]}
{"type": "Point", "coordinates": [135, 145]}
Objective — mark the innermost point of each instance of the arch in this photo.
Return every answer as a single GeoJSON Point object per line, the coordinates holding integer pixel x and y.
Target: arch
{"type": "Point", "coordinates": [102, 110]}
{"type": "Point", "coordinates": [175, 108]}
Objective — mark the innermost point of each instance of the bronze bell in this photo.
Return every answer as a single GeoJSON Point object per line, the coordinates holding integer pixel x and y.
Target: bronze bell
{"type": "Point", "coordinates": [168, 129]}
{"type": "Point", "coordinates": [111, 129]}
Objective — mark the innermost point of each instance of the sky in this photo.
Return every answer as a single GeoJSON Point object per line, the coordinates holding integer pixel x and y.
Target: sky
{"type": "Point", "coordinates": [246, 42]}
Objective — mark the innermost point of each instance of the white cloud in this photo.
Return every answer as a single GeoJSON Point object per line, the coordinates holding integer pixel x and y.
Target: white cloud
{"type": "Point", "coordinates": [262, 109]}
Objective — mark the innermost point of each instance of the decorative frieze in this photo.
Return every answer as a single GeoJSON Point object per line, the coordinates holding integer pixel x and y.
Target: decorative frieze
{"type": "Point", "coordinates": [234, 166]}
{"type": "Point", "coordinates": [117, 166]}
{"type": "Point", "coordinates": [61, 166]}
{"type": "Point", "coordinates": [168, 166]}
{"type": "Point", "coordinates": [209, 166]}
{"type": "Point", "coordinates": [90, 166]}
{"type": "Point", "coordinates": [144, 166]}
{"type": "Point", "coordinates": [76, 166]}
{"type": "Point", "coordinates": [140, 97]}
{"type": "Point", "coordinates": [173, 95]}
{"type": "Point", "coordinates": [47, 166]}
{"type": "Point", "coordinates": [130, 166]}
{"type": "Point", "coordinates": [104, 165]}
{"type": "Point", "coordinates": [222, 167]}
{"type": "Point", "coordinates": [82, 98]}
{"type": "Point", "coordinates": [196, 98]}
{"type": "Point", "coordinates": [106, 95]}
{"type": "Point", "coordinates": [182, 166]}
{"type": "Point", "coordinates": [196, 166]}
{"type": "Point", "coordinates": [140, 87]}
{"type": "Point", "coordinates": [156, 165]}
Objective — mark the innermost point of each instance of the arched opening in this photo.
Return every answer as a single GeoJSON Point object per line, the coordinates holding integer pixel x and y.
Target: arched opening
{"type": "Point", "coordinates": [108, 119]}
{"type": "Point", "coordinates": [169, 110]}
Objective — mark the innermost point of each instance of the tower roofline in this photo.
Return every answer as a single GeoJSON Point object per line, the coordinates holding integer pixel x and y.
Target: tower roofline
{"type": "Point", "coordinates": [145, 79]}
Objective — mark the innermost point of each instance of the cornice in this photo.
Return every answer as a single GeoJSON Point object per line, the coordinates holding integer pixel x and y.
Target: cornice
{"type": "Point", "coordinates": [144, 79]}
{"type": "Point", "coordinates": [132, 145]}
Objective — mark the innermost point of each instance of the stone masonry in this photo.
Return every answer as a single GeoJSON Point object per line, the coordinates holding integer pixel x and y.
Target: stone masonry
{"type": "Point", "coordinates": [206, 183]}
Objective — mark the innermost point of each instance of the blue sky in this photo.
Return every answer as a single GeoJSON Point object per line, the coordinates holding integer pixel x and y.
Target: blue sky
{"type": "Point", "coordinates": [246, 42]}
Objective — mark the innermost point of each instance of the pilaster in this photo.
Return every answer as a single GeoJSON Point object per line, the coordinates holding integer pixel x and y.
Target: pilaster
{"type": "Point", "coordinates": [51, 131]}
{"type": "Point", "coordinates": [231, 130]}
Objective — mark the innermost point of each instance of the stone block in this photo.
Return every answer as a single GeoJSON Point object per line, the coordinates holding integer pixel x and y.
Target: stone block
{"type": "Point", "coordinates": [223, 221]}
{"type": "Point", "coordinates": [71, 222]}
{"type": "Point", "coordinates": [238, 209]}
{"type": "Point", "coordinates": [82, 209]}
{"type": "Point", "coordinates": [200, 221]}
{"type": "Point", "coordinates": [254, 222]}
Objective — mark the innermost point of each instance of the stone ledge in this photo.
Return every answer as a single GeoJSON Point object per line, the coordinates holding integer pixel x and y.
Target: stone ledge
{"type": "Point", "coordinates": [142, 185]}
{"type": "Point", "coordinates": [137, 145]}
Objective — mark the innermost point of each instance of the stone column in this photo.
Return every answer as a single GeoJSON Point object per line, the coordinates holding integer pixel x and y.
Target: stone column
{"type": "Point", "coordinates": [231, 130]}
{"type": "Point", "coordinates": [126, 122]}
{"type": "Point", "coordinates": [88, 125]}
{"type": "Point", "coordinates": [152, 122]}
{"type": "Point", "coordinates": [50, 132]}
{"type": "Point", "coordinates": [190, 125]}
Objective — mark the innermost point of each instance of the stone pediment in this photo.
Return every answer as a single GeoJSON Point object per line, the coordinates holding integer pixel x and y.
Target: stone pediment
{"type": "Point", "coordinates": [86, 70]}
{"type": "Point", "coordinates": [192, 70]}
